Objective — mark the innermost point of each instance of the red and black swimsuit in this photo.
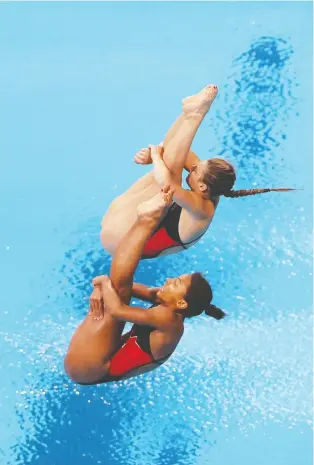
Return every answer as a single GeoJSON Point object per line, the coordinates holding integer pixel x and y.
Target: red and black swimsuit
{"type": "Point", "coordinates": [166, 236]}
{"type": "Point", "coordinates": [134, 353]}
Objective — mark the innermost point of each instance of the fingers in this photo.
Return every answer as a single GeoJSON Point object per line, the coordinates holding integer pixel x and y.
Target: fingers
{"type": "Point", "coordinates": [167, 190]}
{"type": "Point", "coordinates": [91, 307]}
{"type": "Point", "coordinates": [108, 283]}
{"type": "Point", "coordinates": [98, 280]}
{"type": "Point", "coordinates": [138, 160]}
{"type": "Point", "coordinates": [142, 157]}
{"type": "Point", "coordinates": [98, 314]}
{"type": "Point", "coordinates": [167, 194]}
{"type": "Point", "coordinates": [96, 308]}
{"type": "Point", "coordinates": [170, 196]}
{"type": "Point", "coordinates": [156, 149]}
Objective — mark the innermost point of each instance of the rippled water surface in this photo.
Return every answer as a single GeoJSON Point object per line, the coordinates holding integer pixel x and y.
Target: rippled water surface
{"type": "Point", "coordinates": [83, 86]}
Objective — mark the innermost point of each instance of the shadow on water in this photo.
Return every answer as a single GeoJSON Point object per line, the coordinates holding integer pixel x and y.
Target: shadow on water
{"type": "Point", "coordinates": [258, 100]}
{"type": "Point", "coordinates": [96, 425]}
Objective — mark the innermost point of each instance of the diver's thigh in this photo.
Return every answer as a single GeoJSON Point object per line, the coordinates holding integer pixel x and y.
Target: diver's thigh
{"type": "Point", "coordinates": [94, 342]}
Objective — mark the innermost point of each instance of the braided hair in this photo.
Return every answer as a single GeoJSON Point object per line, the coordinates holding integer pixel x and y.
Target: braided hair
{"type": "Point", "coordinates": [245, 192]}
{"type": "Point", "coordinates": [220, 177]}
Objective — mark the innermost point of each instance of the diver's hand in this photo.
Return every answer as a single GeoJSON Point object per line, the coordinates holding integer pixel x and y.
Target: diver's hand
{"type": "Point", "coordinates": [143, 157]}
{"type": "Point", "coordinates": [96, 307]}
{"type": "Point", "coordinates": [97, 281]}
{"type": "Point", "coordinates": [156, 151]}
{"type": "Point", "coordinates": [110, 296]}
{"type": "Point", "coordinates": [162, 174]}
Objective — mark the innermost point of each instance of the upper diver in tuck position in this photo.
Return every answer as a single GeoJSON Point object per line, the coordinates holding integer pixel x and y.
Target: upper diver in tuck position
{"type": "Point", "coordinates": [192, 211]}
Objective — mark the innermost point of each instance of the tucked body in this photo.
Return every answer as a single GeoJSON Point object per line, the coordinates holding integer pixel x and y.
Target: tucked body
{"type": "Point", "coordinates": [194, 208]}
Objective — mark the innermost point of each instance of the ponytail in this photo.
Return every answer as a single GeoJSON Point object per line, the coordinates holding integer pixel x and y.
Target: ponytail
{"type": "Point", "coordinates": [220, 177]}
{"type": "Point", "coordinates": [215, 312]}
{"type": "Point", "coordinates": [245, 192]}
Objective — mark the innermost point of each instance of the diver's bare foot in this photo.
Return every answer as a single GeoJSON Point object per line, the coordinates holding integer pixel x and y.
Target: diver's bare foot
{"type": "Point", "coordinates": [200, 103]}
{"type": "Point", "coordinates": [153, 208]}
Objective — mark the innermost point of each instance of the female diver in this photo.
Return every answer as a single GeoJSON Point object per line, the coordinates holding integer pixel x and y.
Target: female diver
{"type": "Point", "coordinates": [192, 210]}
{"type": "Point", "coordinates": [98, 353]}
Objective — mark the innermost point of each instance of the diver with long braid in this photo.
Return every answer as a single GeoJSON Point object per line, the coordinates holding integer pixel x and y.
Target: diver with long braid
{"type": "Point", "coordinates": [192, 210]}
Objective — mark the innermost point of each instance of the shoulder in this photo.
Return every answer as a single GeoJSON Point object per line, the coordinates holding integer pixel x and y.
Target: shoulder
{"type": "Point", "coordinates": [209, 208]}
{"type": "Point", "coordinates": [167, 320]}
{"type": "Point", "coordinates": [206, 209]}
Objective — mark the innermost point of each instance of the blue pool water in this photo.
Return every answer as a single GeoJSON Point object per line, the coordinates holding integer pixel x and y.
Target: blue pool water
{"type": "Point", "coordinates": [82, 87]}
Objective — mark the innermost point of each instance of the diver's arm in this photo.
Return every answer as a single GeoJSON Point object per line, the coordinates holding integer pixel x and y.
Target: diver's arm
{"type": "Point", "coordinates": [143, 157]}
{"type": "Point", "coordinates": [122, 312]}
{"type": "Point", "coordinates": [162, 174]}
{"type": "Point", "coordinates": [192, 202]}
{"type": "Point", "coordinates": [140, 316]}
{"type": "Point", "coordinates": [189, 200]}
{"type": "Point", "coordinates": [142, 292]}
{"type": "Point", "coordinates": [191, 159]}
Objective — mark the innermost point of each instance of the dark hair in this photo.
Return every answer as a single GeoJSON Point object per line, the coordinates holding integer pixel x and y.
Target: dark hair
{"type": "Point", "coordinates": [220, 178]}
{"type": "Point", "coordinates": [199, 297]}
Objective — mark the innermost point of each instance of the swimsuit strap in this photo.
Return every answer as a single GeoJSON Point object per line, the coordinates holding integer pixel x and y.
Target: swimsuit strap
{"type": "Point", "coordinates": [142, 334]}
{"type": "Point", "coordinates": [171, 224]}
{"type": "Point", "coordinates": [194, 240]}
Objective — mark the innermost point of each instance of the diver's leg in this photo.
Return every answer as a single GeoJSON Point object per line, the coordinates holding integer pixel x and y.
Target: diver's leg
{"type": "Point", "coordinates": [92, 345]}
{"type": "Point", "coordinates": [122, 212]}
{"type": "Point", "coordinates": [177, 147]}
{"type": "Point", "coordinates": [173, 130]}
{"type": "Point", "coordinates": [130, 248]}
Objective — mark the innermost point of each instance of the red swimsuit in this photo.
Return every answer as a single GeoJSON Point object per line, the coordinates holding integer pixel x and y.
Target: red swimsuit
{"type": "Point", "coordinates": [134, 353]}
{"type": "Point", "coordinates": [166, 235]}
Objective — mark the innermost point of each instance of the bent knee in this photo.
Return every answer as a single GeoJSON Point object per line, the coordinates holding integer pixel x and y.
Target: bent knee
{"type": "Point", "coordinates": [107, 240]}
{"type": "Point", "coordinates": [71, 369]}
{"type": "Point", "coordinates": [81, 374]}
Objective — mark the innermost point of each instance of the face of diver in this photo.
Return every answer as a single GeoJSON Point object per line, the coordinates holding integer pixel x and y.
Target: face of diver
{"type": "Point", "coordinates": [174, 290]}
{"type": "Point", "coordinates": [196, 176]}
